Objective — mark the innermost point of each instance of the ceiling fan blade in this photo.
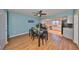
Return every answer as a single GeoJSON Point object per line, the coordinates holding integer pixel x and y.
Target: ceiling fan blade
{"type": "Point", "coordinates": [35, 14]}
{"type": "Point", "coordinates": [43, 14]}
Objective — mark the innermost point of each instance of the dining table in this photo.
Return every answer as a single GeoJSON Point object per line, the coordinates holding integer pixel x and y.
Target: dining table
{"type": "Point", "coordinates": [38, 32]}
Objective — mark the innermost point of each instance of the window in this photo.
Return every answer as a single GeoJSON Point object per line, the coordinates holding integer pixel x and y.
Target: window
{"type": "Point", "coordinates": [56, 22]}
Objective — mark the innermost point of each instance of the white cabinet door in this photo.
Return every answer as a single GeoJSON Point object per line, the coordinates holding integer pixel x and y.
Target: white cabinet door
{"type": "Point", "coordinates": [3, 28]}
{"type": "Point", "coordinates": [68, 33]}
{"type": "Point", "coordinates": [70, 19]}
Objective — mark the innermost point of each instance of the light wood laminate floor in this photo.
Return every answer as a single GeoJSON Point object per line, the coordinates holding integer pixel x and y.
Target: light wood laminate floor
{"type": "Point", "coordinates": [55, 42]}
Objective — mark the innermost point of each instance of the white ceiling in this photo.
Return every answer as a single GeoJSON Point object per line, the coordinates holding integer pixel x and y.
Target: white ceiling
{"type": "Point", "coordinates": [29, 12]}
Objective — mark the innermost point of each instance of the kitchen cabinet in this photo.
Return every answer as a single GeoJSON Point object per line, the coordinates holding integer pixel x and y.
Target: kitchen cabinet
{"type": "Point", "coordinates": [70, 19]}
{"type": "Point", "coordinates": [68, 33]}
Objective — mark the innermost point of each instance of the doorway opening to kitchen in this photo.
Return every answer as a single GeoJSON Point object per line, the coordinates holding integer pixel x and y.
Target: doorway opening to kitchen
{"type": "Point", "coordinates": [54, 25]}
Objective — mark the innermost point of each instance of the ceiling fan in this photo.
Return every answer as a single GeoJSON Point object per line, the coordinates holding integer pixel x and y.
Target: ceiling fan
{"type": "Point", "coordinates": [39, 13]}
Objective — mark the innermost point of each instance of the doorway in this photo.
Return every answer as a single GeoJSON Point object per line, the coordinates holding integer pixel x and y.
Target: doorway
{"type": "Point", "coordinates": [54, 26]}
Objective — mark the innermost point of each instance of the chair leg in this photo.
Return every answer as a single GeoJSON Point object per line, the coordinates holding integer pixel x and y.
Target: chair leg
{"type": "Point", "coordinates": [29, 33]}
{"type": "Point", "coordinates": [46, 38]}
{"type": "Point", "coordinates": [39, 42]}
{"type": "Point", "coordinates": [42, 41]}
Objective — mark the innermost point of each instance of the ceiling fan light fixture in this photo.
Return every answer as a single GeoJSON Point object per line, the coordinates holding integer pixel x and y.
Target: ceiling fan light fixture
{"type": "Point", "coordinates": [38, 14]}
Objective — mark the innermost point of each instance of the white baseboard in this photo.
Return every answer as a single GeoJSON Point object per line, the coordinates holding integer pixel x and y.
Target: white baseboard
{"type": "Point", "coordinates": [18, 34]}
{"type": "Point", "coordinates": [76, 43]}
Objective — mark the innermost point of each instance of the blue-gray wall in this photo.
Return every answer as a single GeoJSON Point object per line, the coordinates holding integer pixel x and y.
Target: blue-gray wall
{"type": "Point", "coordinates": [18, 23]}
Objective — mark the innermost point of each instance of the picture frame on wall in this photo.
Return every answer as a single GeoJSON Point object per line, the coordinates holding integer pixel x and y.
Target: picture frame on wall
{"type": "Point", "coordinates": [30, 21]}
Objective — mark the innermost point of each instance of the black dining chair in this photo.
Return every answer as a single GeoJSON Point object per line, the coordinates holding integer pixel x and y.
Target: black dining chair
{"type": "Point", "coordinates": [44, 36]}
{"type": "Point", "coordinates": [32, 33]}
